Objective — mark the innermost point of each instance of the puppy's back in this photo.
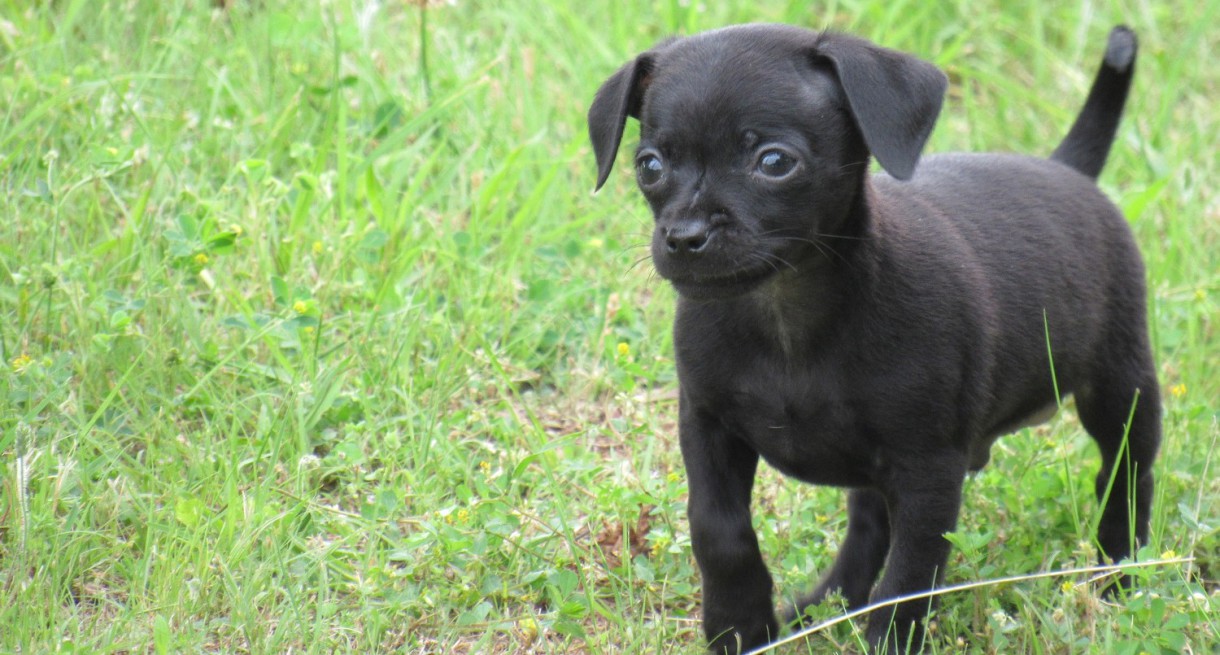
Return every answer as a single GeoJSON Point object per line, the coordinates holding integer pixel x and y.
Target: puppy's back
{"type": "Point", "coordinates": [1044, 250]}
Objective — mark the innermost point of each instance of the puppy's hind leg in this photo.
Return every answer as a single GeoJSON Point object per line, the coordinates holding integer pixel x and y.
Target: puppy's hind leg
{"type": "Point", "coordinates": [860, 557]}
{"type": "Point", "coordinates": [1121, 409]}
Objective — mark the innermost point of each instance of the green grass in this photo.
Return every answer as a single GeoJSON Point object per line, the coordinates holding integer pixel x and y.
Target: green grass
{"type": "Point", "coordinates": [314, 338]}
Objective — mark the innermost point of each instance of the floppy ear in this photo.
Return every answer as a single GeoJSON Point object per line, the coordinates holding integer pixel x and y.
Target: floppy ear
{"type": "Point", "coordinates": [894, 97]}
{"type": "Point", "coordinates": [619, 97]}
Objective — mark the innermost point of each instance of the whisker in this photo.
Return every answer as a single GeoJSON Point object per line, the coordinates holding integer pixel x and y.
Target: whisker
{"type": "Point", "coordinates": [770, 259]}
{"type": "Point", "coordinates": [635, 246]}
{"type": "Point", "coordinates": [818, 235]}
{"type": "Point", "coordinates": [829, 252]}
{"type": "Point", "coordinates": [639, 261]}
{"type": "Point", "coordinates": [839, 236]}
{"type": "Point", "coordinates": [824, 249]}
{"type": "Point", "coordinates": [760, 258]}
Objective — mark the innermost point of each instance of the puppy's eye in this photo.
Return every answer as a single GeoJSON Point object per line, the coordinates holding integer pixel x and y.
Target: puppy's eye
{"type": "Point", "coordinates": [775, 163]}
{"type": "Point", "coordinates": [649, 169]}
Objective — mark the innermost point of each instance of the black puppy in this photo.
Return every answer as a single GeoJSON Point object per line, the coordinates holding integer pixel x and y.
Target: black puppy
{"type": "Point", "coordinates": [874, 332]}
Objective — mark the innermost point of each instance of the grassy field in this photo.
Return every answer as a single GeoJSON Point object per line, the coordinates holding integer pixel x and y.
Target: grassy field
{"type": "Point", "coordinates": [315, 340]}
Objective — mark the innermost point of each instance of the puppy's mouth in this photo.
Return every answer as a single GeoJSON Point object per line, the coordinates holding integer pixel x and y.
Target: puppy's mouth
{"type": "Point", "coordinates": [721, 285]}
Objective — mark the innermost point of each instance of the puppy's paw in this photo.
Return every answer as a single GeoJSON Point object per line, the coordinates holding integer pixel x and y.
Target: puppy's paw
{"type": "Point", "coordinates": [802, 612]}
{"type": "Point", "coordinates": [1117, 589]}
{"type": "Point", "coordinates": [743, 639]}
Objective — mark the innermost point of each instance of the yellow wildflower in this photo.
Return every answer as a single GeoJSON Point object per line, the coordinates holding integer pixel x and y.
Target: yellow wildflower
{"type": "Point", "coordinates": [22, 362]}
{"type": "Point", "coordinates": [201, 259]}
{"type": "Point", "coordinates": [529, 630]}
{"type": "Point", "coordinates": [623, 349]}
{"type": "Point", "coordinates": [300, 306]}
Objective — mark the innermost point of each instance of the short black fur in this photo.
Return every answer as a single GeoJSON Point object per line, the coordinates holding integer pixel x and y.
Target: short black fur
{"type": "Point", "coordinates": [868, 332]}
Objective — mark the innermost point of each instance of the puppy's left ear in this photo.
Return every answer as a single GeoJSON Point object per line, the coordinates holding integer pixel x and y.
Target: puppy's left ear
{"type": "Point", "coordinates": [619, 97]}
{"type": "Point", "coordinates": [894, 97]}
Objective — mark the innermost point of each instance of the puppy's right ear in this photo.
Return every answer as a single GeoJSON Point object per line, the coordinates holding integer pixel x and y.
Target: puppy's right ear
{"type": "Point", "coordinates": [619, 97]}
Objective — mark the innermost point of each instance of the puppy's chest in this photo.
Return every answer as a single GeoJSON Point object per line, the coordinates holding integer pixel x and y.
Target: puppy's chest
{"type": "Point", "coordinates": [803, 421]}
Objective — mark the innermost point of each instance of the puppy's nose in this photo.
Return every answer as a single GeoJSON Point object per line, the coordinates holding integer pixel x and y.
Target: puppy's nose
{"type": "Point", "coordinates": [687, 237]}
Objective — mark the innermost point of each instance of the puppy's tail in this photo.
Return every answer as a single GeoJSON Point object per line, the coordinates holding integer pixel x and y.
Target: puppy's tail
{"type": "Point", "coordinates": [1088, 142]}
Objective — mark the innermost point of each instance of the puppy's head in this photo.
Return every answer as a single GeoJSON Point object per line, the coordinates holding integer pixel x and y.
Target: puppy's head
{"type": "Point", "coordinates": [754, 142]}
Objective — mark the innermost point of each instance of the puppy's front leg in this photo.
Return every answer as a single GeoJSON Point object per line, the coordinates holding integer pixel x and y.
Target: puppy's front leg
{"type": "Point", "coordinates": [738, 614]}
{"type": "Point", "coordinates": [923, 495]}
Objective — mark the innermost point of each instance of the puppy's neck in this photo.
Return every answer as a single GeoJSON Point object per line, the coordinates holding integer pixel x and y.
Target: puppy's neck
{"type": "Point", "coordinates": [795, 307]}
